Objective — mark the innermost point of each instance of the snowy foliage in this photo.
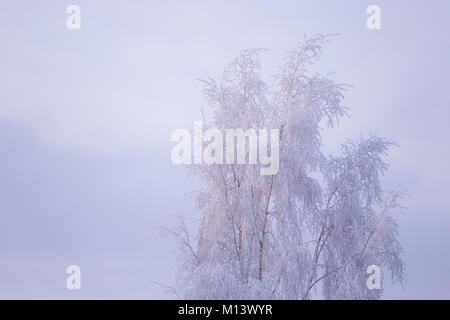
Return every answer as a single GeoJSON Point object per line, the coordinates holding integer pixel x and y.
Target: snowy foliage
{"type": "Point", "coordinates": [311, 230]}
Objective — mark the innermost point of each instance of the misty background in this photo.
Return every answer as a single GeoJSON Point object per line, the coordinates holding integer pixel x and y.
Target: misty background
{"type": "Point", "coordinates": [86, 117]}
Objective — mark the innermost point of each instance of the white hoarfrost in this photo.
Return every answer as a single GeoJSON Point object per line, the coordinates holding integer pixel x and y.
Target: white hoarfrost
{"type": "Point", "coordinates": [310, 230]}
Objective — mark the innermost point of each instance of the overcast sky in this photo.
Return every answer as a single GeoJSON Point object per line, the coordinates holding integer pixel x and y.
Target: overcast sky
{"type": "Point", "coordinates": [86, 117]}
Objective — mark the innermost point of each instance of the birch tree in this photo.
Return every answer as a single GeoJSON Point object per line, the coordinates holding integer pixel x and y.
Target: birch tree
{"type": "Point", "coordinates": [312, 229]}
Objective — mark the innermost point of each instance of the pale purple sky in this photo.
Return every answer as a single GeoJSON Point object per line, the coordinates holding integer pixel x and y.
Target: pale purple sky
{"type": "Point", "coordinates": [86, 118]}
